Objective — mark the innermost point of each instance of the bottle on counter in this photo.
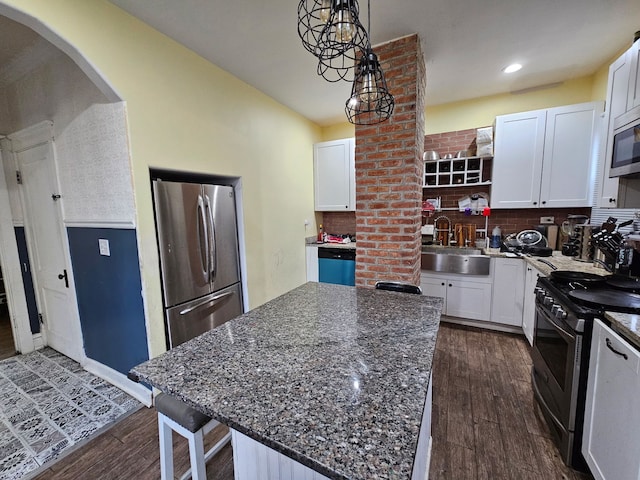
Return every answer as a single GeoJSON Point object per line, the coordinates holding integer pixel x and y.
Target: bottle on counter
{"type": "Point", "coordinates": [320, 235]}
{"type": "Point", "coordinates": [496, 237]}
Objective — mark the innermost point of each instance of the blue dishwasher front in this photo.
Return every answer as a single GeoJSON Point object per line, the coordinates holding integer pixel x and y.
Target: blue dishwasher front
{"type": "Point", "coordinates": [337, 265]}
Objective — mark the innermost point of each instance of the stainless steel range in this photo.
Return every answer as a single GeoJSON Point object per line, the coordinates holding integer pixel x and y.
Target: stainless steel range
{"type": "Point", "coordinates": [566, 304]}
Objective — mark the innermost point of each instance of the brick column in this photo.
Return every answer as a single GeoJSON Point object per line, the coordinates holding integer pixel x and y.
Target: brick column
{"type": "Point", "coordinates": [389, 173]}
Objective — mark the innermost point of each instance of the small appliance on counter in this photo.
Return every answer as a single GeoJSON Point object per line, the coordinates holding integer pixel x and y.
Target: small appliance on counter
{"type": "Point", "coordinates": [571, 246]}
{"type": "Point", "coordinates": [530, 242]}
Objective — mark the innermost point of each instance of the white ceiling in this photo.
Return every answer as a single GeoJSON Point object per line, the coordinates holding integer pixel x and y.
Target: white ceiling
{"type": "Point", "coordinates": [465, 43]}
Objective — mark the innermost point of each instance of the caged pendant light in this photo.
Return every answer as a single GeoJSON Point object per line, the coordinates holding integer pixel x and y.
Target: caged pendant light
{"type": "Point", "coordinates": [331, 31]}
{"type": "Point", "coordinates": [370, 101]}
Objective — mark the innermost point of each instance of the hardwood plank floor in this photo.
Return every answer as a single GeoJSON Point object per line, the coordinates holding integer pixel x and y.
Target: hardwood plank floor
{"type": "Point", "coordinates": [485, 423]}
{"type": "Point", "coordinates": [7, 346]}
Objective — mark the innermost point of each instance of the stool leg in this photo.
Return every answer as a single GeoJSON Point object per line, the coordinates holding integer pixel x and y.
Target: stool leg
{"type": "Point", "coordinates": [166, 448]}
{"type": "Point", "coordinates": [196, 453]}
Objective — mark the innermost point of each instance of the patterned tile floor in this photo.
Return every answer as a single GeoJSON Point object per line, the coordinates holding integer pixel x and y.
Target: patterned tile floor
{"type": "Point", "coordinates": [48, 405]}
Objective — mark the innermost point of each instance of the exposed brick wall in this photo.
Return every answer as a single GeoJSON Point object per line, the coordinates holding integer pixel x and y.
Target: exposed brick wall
{"type": "Point", "coordinates": [340, 223]}
{"type": "Point", "coordinates": [389, 173]}
{"type": "Point", "coordinates": [509, 220]}
{"type": "Point", "coordinates": [451, 142]}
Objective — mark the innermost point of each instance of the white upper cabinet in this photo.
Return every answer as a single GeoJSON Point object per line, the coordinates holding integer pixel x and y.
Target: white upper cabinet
{"type": "Point", "coordinates": [633, 95]}
{"type": "Point", "coordinates": [334, 175]}
{"type": "Point", "coordinates": [517, 161]}
{"type": "Point", "coordinates": [546, 158]}
{"type": "Point", "coordinates": [617, 88]}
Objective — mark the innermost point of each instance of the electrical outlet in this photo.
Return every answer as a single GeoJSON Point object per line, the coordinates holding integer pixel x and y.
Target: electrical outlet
{"type": "Point", "coordinates": [546, 220]}
{"type": "Point", "coordinates": [103, 246]}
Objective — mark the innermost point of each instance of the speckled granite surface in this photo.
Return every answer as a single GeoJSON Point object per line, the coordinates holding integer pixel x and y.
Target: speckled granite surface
{"type": "Point", "coordinates": [562, 262]}
{"type": "Point", "coordinates": [626, 324]}
{"type": "Point", "coordinates": [334, 377]}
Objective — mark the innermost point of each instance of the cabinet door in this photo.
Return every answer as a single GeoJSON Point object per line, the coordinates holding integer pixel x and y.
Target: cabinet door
{"type": "Point", "coordinates": [334, 175]}
{"type": "Point", "coordinates": [467, 299]}
{"type": "Point", "coordinates": [633, 98]}
{"type": "Point", "coordinates": [517, 161]}
{"type": "Point", "coordinates": [617, 88]}
{"type": "Point", "coordinates": [434, 286]}
{"type": "Point", "coordinates": [529, 304]}
{"type": "Point", "coordinates": [570, 155]}
{"type": "Point", "coordinates": [611, 443]}
{"type": "Point", "coordinates": [311, 255]}
{"type": "Point", "coordinates": [508, 291]}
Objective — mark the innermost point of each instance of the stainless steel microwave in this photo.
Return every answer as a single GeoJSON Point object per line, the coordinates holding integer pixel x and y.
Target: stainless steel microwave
{"type": "Point", "coordinates": [625, 159]}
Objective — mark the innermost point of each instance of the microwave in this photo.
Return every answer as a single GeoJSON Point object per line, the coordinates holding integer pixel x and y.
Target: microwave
{"type": "Point", "coordinates": [625, 158]}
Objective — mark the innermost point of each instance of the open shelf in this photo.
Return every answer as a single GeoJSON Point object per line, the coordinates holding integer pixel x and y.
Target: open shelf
{"type": "Point", "coordinates": [455, 172]}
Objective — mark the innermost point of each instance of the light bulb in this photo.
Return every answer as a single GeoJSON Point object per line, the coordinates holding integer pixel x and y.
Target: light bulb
{"type": "Point", "coordinates": [325, 11]}
{"type": "Point", "coordinates": [369, 92]}
{"type": "Point", "coordinates": [344, 26]}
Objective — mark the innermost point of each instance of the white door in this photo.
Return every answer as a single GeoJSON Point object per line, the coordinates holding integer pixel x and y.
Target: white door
{"type": "Point", "coordinates": [48, 250]}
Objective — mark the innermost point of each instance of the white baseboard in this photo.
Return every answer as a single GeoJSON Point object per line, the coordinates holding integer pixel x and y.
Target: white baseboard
{"type": "Point", "coordinates": [139, 392]}
{"type": "Point", "coordinates": [38, 341]}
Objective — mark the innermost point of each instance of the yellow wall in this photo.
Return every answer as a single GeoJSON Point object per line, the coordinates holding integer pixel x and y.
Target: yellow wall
{"type": "Point", "coordinates": [185, 113]}
{"type": "Point", "coordinates": [479, 112]}
{"type": "Point", "coordinates": [482, 111]}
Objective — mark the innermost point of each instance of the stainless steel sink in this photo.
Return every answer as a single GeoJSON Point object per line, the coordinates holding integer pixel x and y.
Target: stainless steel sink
{"type": "Point", "coordinates": [452, 250]}
{"type": "Point", "coordinates": [464, 260]}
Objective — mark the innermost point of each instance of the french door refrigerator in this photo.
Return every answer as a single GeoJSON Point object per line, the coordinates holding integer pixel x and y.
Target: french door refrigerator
{"type": "Point", "coordinates": [198, 244]}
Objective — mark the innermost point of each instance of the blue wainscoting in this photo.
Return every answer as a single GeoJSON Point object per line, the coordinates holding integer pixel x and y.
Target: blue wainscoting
{"type": "Point", "coordinates": [27, 280]}
{"type": "Point", "coordinates": [109, 294]}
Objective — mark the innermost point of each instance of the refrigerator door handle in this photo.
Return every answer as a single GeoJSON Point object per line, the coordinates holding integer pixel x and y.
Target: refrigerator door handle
{"type": "Point", "coordinates": [213, 259]}
{"type": "Point", "coordinates": [203, 238]}
{"type": "Point", "coordinates": [208, 301]}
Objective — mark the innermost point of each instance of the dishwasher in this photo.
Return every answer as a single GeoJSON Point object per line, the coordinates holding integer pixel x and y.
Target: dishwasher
{"type": "Point", "coordinates": [337, 265]}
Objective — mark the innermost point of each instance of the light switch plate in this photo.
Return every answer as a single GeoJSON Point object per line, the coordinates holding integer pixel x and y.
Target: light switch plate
{"type": "Point", "coordinates": [103, 246]}
{"type": "Point", "coordinates": [546, 220]}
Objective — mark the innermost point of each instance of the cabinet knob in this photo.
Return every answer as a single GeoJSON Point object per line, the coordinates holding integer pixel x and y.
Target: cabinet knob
{"type": "Point", "coordinates": [544, 202]}
{"type": "Point", "coordinates": [443, 284]}
{"type": "Point", "coordinates": [346, 206]}
{"type": "Point", "coordinates": [450, 285]}
{"type": "Point", "coordinates": [612, 200]}
{"type": "Point", "coordinates": [535, 203]}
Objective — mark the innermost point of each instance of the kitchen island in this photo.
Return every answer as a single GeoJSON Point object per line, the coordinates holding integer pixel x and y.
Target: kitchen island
{"type": "Point", "coordinates": [335, 378]}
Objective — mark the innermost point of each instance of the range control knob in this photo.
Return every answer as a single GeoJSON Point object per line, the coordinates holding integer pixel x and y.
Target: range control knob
{"type": "Point", "coordinates": [548, 301]}
{"type": "Point", "coordinates": [558, 312]}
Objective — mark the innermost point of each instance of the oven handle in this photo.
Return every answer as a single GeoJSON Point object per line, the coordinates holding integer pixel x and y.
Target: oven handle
{"type": "Point", "coordinates": [563, 333]}
{"type": "Point", "coordinates": [540, 398]}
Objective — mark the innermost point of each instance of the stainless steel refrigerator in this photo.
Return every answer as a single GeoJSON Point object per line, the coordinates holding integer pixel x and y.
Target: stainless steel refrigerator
{"type": "Point", "coordinates": [198, 243]}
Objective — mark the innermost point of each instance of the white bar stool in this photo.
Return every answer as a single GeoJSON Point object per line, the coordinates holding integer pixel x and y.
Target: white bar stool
{"type": "Point", "coordinates": [176, 416]}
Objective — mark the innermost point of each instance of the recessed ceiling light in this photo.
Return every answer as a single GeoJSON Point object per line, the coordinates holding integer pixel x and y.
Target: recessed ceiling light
{"type": "Point", "coordinates": [514, 67]}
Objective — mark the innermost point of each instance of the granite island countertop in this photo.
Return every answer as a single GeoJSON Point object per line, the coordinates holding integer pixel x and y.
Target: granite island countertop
{"type": "Point", "coordinates": [332, 376]}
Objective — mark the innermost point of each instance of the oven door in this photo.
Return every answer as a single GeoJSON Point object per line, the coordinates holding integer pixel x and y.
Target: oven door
{"type": "Point", "coordinates": [556, 367]}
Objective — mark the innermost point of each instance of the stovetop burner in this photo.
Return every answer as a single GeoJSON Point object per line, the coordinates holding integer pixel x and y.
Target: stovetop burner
{"type": "Point", "coordinates": [592, 300]}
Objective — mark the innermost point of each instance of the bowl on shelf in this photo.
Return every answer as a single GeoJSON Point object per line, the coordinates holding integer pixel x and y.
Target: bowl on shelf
{"type": "Point", "coordinates": [448, 156]}
{"type": "Point", "coordinates": [430, 155]}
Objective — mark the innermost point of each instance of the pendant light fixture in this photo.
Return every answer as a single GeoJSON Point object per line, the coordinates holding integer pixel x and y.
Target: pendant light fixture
{"type": "Point", "coordinates": [341, 42]}
{"type": "Point", "coordinates": [313, 16]}
{"type": "Point", "coordinates": [370, 100]}
{"type": "Point", "coordinates": [331, 31]}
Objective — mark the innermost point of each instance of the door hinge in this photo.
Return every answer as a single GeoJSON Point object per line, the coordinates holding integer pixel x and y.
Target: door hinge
{"type": "Point", "coordinates": [41, 318]}
{"type": "Point", "coordinates": [18, 177]}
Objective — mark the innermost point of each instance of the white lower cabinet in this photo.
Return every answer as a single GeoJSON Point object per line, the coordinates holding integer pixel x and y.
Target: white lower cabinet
{"type": "Point", "coordinates": [464, 296]}
{"type": "Point", "coordinates": [611, 443]}
{"type": "Point", "coordinates": [531, 275]}
{"type": "Point", "coordinates": [508, 291]}
{"type": "Point", "coordinates": [311, 256]}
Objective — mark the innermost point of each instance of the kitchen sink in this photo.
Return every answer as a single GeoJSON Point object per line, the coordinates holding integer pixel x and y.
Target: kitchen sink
{"type": "Point", "coordinates": [463, 260]}
{"type": "Point", "coordinates": [452, 250]}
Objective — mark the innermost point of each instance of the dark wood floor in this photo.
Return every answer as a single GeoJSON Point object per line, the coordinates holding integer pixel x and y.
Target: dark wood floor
{"type": "Point", "coordinates": [7, 346]}
{"type": "Point", "coordinates": [485, 423]}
